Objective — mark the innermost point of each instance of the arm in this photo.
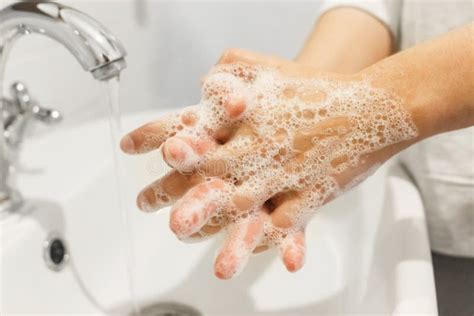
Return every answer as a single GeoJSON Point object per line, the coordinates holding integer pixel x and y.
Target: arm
{"type": "Point", "coordinates": [335, 47]}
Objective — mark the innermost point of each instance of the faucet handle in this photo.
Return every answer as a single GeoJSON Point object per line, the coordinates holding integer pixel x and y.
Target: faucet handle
{"type": "Point", "coordinates": [25, 105]}
{"type": "Point", "coordinates": [20, 111]}
{"type": "Point", "coordinates": [45, 115]}
{"type": "Point", "coordinates": [21, 96]}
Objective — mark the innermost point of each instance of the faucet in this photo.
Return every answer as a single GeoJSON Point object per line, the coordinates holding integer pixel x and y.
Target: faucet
{"type": "Point", "coordinates": [94, 47]}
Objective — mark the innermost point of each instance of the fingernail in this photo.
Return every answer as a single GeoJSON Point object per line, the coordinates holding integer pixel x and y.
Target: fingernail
{"type": "Point", "coordinates": [175, 149]}
{"type": "Point", "coordinates": [179, 154]}
{"type": "Point", "coordinates": [188, 218]}
{"type": "Point", "coordinates": [260, 249]}
{"type": "Point", "coordinates": [235, 106]}
{"type": "Point", "coordinates": [127, 144]}
{"type": "Point", "coordinates": [146, 200]}
{"type": "Point", "coordinates": [178, 226]}
{"type": "Point", "coordinates": [292, 251]}
{"type": "Point", "coordinates": [225, 266]}
{"type": "Point", "coordinates": [293, 259]}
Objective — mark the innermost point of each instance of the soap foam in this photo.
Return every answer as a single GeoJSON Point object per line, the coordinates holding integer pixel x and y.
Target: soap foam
{"type": "Point", "coordinates": [303, 132]}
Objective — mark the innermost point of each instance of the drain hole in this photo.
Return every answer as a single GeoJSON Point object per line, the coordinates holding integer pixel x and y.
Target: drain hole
{"type": "Point", "coordinates": [55, 252]}
{"type": "Point", "coordinates": [169, 309]}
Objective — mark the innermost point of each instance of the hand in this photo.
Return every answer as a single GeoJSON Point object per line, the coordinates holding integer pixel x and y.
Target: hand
{"type": "Point", "coordinates": [269, 143]}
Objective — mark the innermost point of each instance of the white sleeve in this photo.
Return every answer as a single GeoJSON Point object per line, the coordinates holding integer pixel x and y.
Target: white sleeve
{"type": "Point", "coordinates": [387, 11]}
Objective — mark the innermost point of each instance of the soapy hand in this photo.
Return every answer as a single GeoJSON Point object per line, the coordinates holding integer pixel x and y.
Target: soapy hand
{"type": "Point", "coordinates": [269, 143]}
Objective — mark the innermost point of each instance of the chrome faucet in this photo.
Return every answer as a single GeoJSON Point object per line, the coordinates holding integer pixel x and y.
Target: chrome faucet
{"type": "Point", "coordinates": [95, 48]}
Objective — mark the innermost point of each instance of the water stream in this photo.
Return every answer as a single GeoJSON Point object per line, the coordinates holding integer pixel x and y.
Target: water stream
{"type": "Point", "coordinates": [3, 162]}
{"type": "Point", "coordinates": [116, 133]}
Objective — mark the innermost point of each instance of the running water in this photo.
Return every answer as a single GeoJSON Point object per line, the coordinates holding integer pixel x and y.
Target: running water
{"type": "Point", "coordinates": [116, 132]}
{"type": "Point", "coordinates": [3, 162]}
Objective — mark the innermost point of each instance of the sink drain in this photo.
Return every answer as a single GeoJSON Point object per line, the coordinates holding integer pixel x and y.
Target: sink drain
{"type": "Point", "coordinates": [55, 252]}
{"type": "Point", "coordinates": [169, 309]}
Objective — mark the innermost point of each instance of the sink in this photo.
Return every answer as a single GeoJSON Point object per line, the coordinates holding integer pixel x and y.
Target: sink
{"type": "Point", "coordinates": [368, 250]}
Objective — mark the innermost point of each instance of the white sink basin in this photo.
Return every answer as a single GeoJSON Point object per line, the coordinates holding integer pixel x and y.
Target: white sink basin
{"type": "Point", "coordinates": [367, 251]}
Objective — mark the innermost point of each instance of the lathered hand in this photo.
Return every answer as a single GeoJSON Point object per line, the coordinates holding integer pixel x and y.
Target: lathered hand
{"type": "Point", "coordinates": [269, 143]}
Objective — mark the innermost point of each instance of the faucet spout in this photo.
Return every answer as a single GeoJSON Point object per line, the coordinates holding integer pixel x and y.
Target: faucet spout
{"type": "Point", "coordinates": [96, 49]}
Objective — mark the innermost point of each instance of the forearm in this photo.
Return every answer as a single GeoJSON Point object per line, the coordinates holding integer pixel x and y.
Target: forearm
{"type": "Point", "coordinates": [346, 40]}
{"type": "Point", "coordinates": [434, 79]}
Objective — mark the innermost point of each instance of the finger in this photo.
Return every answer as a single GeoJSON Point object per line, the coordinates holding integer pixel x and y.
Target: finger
{"type": "Point", "coordinates": [235, 105]}
{"type": "Point", "coordinates": [166, 190]}
{"type": "Point", "coordinates": [225, 102]}
{"type": "Point", "coordinates": [261, 181]}
{"type": "Point", "coordinates": [287, 205]}
{"type": "Point", "coordinates": [205, 233]}
{"type": "Point", "coordinates": [260, 249]}
{"type": "Point", "coordinates": [241, 240]}
{"type": "Point", "coordinates": [293, 250]}
{"type": "Point", "coordinates": [222, 89]}
{"type": "Point", "coordinates": [183, 153]}
{"type": "Point", "coordinates": [242, 199]}
{"type": "Point", "coordinates": [249, 195]}
{"type": "Point", "coordinates": [235, 55]}
{"type": "Point", "coordinates": [150, 136]}
{"type": "Point", "coordinates": [239, 146]}
{"type": "Point", "coordinates": [196, 207]}
{"type": "Point", "coordinates": [243, 141]}
{"type": "Point", "coordinates": [253, 59]}
{"type": "Point", "coordinates": [289, 218]}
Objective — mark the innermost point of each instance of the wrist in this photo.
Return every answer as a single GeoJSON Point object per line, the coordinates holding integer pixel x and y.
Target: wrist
{"type": "Point", "coordinates": [392, 105]}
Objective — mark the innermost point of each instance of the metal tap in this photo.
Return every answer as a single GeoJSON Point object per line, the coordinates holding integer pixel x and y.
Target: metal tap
{"type": "Point", "coordinates": [95, 48]}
